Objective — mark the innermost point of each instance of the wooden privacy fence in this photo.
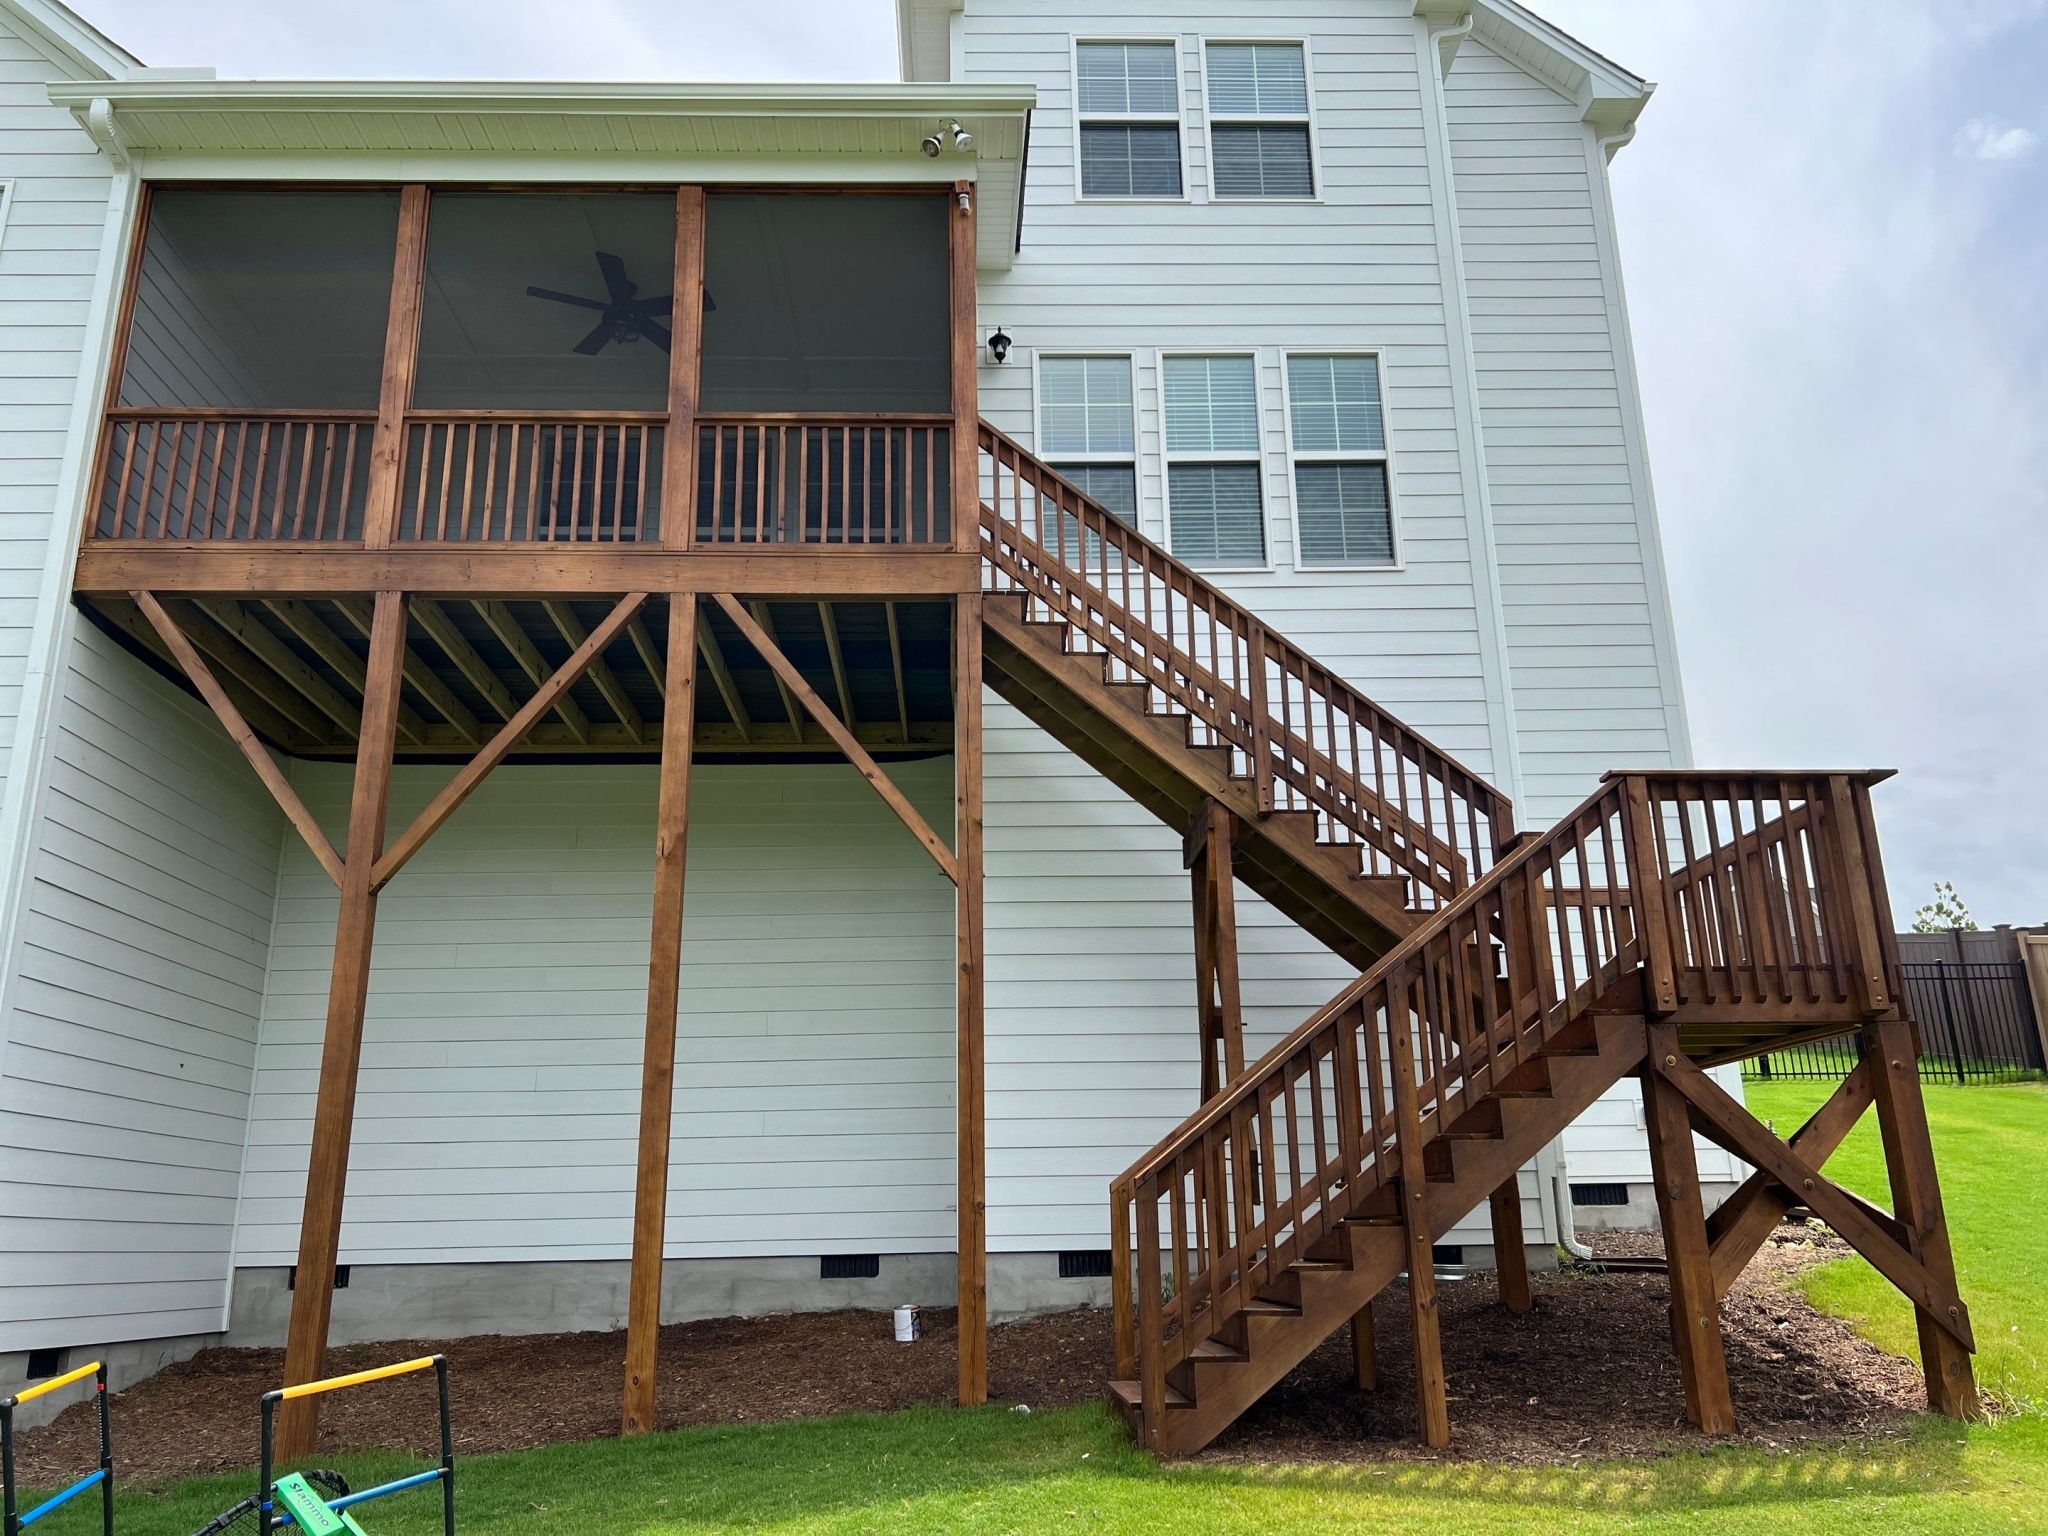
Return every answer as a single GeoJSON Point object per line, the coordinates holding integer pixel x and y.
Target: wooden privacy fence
{"type": "Point", "coordinates": [1307, 739]}
{"type": "Point", "coordinates": [1724, 897]}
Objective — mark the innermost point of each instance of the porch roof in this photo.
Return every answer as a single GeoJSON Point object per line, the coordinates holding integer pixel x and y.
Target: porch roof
{"type": "Point", "coordinates": [540, 131]}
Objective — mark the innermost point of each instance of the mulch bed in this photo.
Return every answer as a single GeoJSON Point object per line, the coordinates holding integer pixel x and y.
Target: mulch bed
{"type": "Point", "coordinates": [1589, 1372]}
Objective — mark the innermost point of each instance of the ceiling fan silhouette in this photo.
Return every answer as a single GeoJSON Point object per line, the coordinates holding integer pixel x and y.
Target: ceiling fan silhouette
{"type": "Point", "coordinates": [624, 318]}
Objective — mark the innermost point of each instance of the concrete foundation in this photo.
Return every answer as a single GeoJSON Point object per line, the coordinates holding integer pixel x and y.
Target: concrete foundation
{"type": "Point", "coordinates": [444, 1301]}
{"type": "Point", "coordinates": [128, 1362]}
{"type": "Point", "coordinates": [1640, 1213]}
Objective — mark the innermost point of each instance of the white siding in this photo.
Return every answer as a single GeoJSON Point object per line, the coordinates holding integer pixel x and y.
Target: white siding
{"type": "Point", "coordinates": [500, 1081]}
{"type": "Point", "coordinates": [1577, 585]}
{"type": "Point", "coordinates": [49, 254]}
{"type": "Point", "coordinates": [131, 1016]}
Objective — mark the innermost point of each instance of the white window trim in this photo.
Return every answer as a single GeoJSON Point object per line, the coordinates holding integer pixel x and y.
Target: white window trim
{"type": "Point", "coordinates": [1050, 455]}
{"type": "Point", "coordinates": [6, 205]}
{"type": "Point", "coordinates": [1399, 562]}
{"type": "Point", "coordinates": [1180, 116]}
{"type": "Point", "coordinates": [1168, 457]}
{"type": "Point", "coordinates": [1211, 118]}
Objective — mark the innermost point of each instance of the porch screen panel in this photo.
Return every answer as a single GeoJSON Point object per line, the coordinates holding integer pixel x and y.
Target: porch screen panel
{"type": "Point", "coordinates": [261, 300]}
{"type": "Point", "coordinates": [546, 302]}
{"type": "Point", "coordinates": [248, 395]}
{"type": "Point", "coordinates": [826, 304]}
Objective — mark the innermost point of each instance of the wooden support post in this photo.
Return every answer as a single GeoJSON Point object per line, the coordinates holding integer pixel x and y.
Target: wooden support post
{"type": "Point", "coordinates": [966, 360]}
{"type": "Point", "coordinates": [1206, 851]}
{"type": "Point", "coordinates": [1916, 1203]}
{"type": "Point", "coordinates": [664, 977]}
{"type": "Point", "coordinates": [1695, 1319]}
{"type": "Point", "coordinates": [973, 1131]}
{"type": "Point", "coordinates": [1364, 1351]}
{"type": "Point", "coordinates": [347, 994]}
{"type": "Point", "coordinates": [1510, 1258]}
{"type": "Point", "coordinates": [401, 358]}
{"type": "Point", "coordinates": [686, 344]}
{"type": "Point", "coordinates": [1431, 1398]}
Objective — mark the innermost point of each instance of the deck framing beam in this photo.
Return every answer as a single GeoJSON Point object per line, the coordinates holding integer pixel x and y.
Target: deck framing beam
{"type": "Point", "coordinates": [801, 692]}
{"type": "Point", "coordinates": [238, 730]}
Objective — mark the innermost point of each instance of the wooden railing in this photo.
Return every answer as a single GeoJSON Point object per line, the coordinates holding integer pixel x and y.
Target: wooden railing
{"type": "Point", "coordinates": [1308, 740]}
{"type": "Point", "coordinates": [496, 476]}
{"type": "Point", "coordinates": [246, 475]}
{"type": "Point", "coordinates": [824, 480]}
{"type": "Point", "coordinates": [1738, 896]}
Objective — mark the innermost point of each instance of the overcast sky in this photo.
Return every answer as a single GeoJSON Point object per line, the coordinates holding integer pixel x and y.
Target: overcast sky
{"type": "Point", "coordinates": [1835, 236]}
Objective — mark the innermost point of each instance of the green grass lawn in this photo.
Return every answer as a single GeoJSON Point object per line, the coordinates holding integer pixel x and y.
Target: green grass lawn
{"type": "Point", "coordinates": [1991, 1148]}
{"type": "Point", "coordinates": [935, 1470]}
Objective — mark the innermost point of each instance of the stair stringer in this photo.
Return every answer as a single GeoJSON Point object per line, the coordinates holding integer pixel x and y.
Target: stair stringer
{"type": "Point", "coordinates": [1215, 1391]}
{"type": "Point", "coordinates": [1148, 756]}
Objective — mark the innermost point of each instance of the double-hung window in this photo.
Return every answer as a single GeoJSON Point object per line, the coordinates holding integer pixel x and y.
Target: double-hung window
{"type": "Point", "coordinates": [1215, 510]}
{"type": "Point", "coordinates": [1129, 113]}
{"type": "Point", "coordinates": [1258, 121]}
{"type": "Point", "coordinates": [1343, 514]}
{"type": "Point", "coordinates": [1086, 429]}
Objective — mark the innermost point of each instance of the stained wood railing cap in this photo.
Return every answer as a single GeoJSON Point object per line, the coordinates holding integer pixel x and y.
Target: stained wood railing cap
{"type": "Point", "coordinates": [1863, 776]}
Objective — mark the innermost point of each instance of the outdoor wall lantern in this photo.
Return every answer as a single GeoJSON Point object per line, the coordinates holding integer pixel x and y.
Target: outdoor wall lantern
{"type": "Point", "coordinates": [999, 346]}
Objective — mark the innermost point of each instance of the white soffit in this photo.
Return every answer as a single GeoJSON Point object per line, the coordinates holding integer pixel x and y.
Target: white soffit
{"type": "Point", "coordinates": [541, 131]}
{"type": "Point", "coordinates": [1607, 96]}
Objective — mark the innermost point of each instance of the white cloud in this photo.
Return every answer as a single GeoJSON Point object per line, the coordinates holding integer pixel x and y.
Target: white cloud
{"type": "Point", "coordinates": [1983, 139]}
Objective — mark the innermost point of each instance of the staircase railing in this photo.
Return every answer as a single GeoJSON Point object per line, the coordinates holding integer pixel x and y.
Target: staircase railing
{"type": "Point", "coordinates": [1306, 739]}
{"type": "Point", "coordinates": [1728, 894]}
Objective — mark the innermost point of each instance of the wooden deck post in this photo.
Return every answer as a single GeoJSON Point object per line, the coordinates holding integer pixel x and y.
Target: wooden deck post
{"type": "Point", "coordinates": [347, 995]}
{"type": "Point", "coordinates": [658, 1057]}
{"type": "Point", "coordinates": [1364, 1350]}
{"type": "Point", "coordinates": [966, 361]}
{"type": "Point", "coordinates": [972, 1079]}
{"type": "Point", "coordinates": [1916, 1202]}
{"type": "Point", "coordinates": [1431, 1396]}
{"type": "Point", "coordinates": [1510, 1258]}
{"type": "Point", "coordinates": [686, 345]}
{"type": "Point", "coordinates": [1219, 993]}
{"type": "Point", "coordinates": [1695, 1317]}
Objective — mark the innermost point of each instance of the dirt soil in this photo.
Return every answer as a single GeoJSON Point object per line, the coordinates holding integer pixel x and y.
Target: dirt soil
{"type": "Point", "coordinates": [1588, 1373]}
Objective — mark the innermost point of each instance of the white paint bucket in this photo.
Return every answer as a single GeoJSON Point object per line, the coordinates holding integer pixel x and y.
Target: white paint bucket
{"type": "Point", "coordinates": [909, 1324]}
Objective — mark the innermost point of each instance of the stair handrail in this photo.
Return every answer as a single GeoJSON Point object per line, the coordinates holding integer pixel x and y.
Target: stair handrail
{"type": "Point", "coordinates": [1310, 740]}
{"type": "Point", "coordinates": [1697, 889]}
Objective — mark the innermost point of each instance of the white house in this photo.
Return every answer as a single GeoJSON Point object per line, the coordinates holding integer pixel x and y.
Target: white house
{"type": "Point", "coordinates": [1324, 299]}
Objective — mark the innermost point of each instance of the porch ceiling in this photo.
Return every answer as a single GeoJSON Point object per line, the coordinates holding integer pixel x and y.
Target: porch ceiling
{"type": "Point", "coordinates": [295, 669]}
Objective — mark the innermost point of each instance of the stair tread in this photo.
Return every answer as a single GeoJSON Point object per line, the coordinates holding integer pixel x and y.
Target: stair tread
{"type": "Point", "coordinates": [1258, 1306]}
{"type": "Point", "coordinates": [1133, 1393]}
{"type": "Point", "coordinates": [1216, 1349]}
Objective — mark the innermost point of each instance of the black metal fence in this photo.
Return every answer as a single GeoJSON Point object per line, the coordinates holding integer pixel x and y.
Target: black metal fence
{"type": "Point", "coordinates": [1976, 1021]}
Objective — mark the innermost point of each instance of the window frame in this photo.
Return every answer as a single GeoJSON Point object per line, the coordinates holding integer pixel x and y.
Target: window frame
{"type": "Point", "coordinates": [1055, 458]}
{"type": "Point", "coordinates": [1075, 43]}
{"type": "Point", "coordinates": [1385, 455]}
{"type": "Point", "coordinates": [1211, 118]}
{"type": "Point", "coordinates": [1256, 456]}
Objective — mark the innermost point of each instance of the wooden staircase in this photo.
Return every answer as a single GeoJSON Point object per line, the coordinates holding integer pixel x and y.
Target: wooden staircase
{"type": "Point", "coordinates": [1673, 921]}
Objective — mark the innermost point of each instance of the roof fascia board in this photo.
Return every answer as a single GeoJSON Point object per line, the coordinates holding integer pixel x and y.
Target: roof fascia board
{"type": "Point", "coordinates": [565, 169]}
{"type": "Point", "coordinates": [69, 40]}
{"type": "Point", "coordinates": [512, 97]}
{"type": "Point", "coordinates": [1608, 96]}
